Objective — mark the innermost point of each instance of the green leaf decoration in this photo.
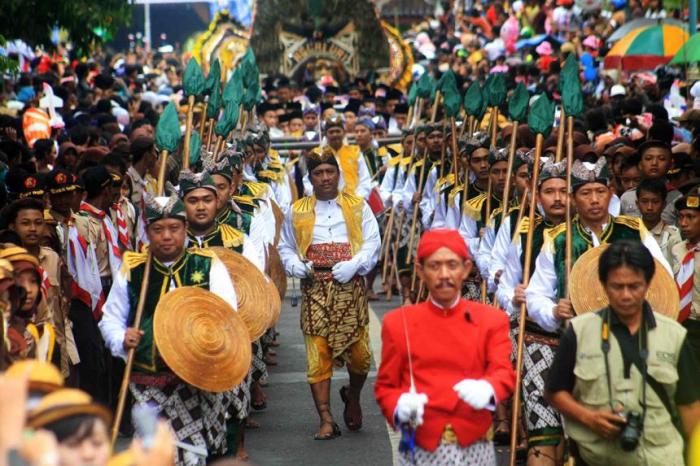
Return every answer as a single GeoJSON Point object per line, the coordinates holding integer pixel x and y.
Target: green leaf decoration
{"type": "Point", "coordinates": [484, 103]}
{"type": "Point", "coordinates": [233, 91]}
{"type": "Point", "coordinates": [214, 105]}
{"type": "Point", "coordinates": [251, 96]}
{"type": "Point", "coordinates": [541, 116]}
{"type": "Point", "coordinates": [228, 120]}
{"type": "Point", "coordinates": [195, 148]}
{"type": "Point", "coordinates": [168, 129]}
{"type": "Point", "coordinates": [571, 95]}
{"type": "Point", "coordinates": [193, 79]}
{"type": "Point", "coordinates": [451, 98]}
{"type": "Point", "coordinates": [497, 90]}
{"type": "Point", "coordinates": [517, 104]}
{"type": "Point", "coordinates": [425, 86]}
{"type": "Point", "coordinates": [213, 81]}
{"type": "Point", "coordinates": [473, 99]}
{"type": "Point", "coordinates": [412, 94]}
{"type": "Point", "coordinates": [250, 75]}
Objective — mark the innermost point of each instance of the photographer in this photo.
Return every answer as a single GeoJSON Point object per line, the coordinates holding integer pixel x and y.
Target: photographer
{"type": "Point", "coordinates": [625, 377]}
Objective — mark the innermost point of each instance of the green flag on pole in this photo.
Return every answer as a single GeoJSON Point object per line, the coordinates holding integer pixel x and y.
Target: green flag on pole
{"type": "Point", "coordinates": [193, 79]}
{"type": "Point", "coordinates": [541, 116]}
{"type": "Point", "coordinates": [517, 104]}
{"type": "Point", "coordinates": [168, 129]}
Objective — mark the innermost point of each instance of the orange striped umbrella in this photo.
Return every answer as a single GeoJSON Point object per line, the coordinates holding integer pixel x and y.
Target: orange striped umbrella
{"type": "Point", "coordinates": [646, 47]}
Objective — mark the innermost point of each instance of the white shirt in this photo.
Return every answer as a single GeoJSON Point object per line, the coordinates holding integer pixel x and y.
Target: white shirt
{"type": "Point", "coordinates": [116, 309]}
{"type": "Point", "coordinates": [330, 227]}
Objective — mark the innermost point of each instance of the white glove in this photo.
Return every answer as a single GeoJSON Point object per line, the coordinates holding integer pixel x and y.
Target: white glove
{"type": "Point", "coordinates": [302, 269]}
{"type": "Point", "coordinates": [410, 407]}
{"type": "Point", "coordinates": [344, 271]}
{"type": "Point", "coordinates": [476, 393]}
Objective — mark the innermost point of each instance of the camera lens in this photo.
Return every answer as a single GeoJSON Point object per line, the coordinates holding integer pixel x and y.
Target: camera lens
{"type": "Point", "coordinates": [629, 437]}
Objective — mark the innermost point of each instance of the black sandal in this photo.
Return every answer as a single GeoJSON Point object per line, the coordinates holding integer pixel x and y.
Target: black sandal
{"type": "Point", "coordinates": [348, 422]}
{"type": "Point", "coordinates": [331, 435]}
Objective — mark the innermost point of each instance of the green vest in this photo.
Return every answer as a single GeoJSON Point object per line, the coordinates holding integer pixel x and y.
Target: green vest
{"type": "Point", "coordinates": [660, 443]}
{"type": "Point", "coordinates": [537, 239]}
{"type": "Point", "coordinates": [618, 228]}
{"type": "Point", "coordinates": [192, 269]}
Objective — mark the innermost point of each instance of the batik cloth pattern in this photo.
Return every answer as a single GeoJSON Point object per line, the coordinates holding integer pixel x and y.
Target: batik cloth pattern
{"type": "Point", "coordinates": [543, 422]}
{"type": "Point", "coordinates": [196, 417]}
{"type": "Point", "coordinates": [480, 453]}
{"type": "Point", "coordinates": [335, 311]}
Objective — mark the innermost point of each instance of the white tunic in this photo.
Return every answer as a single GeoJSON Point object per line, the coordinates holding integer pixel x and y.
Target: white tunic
{"type": "Point", "coordinates": [330, 228]}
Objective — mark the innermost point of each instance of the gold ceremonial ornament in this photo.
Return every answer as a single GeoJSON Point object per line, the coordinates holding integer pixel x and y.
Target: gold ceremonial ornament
{"type": "Point", "coordinates": [274, 300]}
{"type": "Point", "coordinates": [276, 271]}
{"type": "Point", "coordinates": [202, 339]}
{"type": "Point", "coordinates": [588, 294]}
{"type": "Point", "coordinates": [252, 291]}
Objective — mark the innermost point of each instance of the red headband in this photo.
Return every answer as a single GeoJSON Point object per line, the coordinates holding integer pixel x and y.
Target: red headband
{"type": "Point", "coordinates": [433, 240]}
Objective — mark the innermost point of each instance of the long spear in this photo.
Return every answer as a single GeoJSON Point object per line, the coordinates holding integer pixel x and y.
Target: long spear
{"type": "Point", "coordinates": [540, 122]}
{"type": "Point", "coordinates": [517, 107]}
{"type": "Point", "coordinates": [167, 140]}
{"type": "Point", "coordinates": [193, 83]}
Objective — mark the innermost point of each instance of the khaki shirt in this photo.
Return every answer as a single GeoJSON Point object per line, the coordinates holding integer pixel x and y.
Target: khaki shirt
{"type": "Point", "coordinates": [678, 252]}
{"type": "Point", "coordinates": [91, 229]}
{"type": "Point", "coordinates": [667, 236]}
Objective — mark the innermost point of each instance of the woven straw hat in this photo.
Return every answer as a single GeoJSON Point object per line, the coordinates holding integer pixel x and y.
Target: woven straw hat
{"type": "Point", "coordinates": [65, 403]}
{"type": "Point", "coordinates": [276, 271]}
{"type": "Point", "coordinates": [588, 294]}
{"type": "Point", "coordinates": [202, 339]}
{"type": "Point", "coordinates": [43, 376]}
{"type": "Point", "coordinates": [251, 291]}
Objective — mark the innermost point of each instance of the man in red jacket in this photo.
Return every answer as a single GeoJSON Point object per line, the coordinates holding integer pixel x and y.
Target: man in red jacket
{"type": "Point", "coordinates": [445, 362]}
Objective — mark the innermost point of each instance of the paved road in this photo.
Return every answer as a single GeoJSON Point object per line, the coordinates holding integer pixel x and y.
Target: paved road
{"type": "Point", "coordinates": [290, 420]}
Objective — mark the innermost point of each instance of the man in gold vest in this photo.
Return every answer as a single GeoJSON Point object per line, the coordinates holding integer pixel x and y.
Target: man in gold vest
{"type": "Point", "coordinates": [330, 240]}
{"type": "Point", "coordinates": [624, 377]}
{"type": "Point", "coordinates": [355, 174]}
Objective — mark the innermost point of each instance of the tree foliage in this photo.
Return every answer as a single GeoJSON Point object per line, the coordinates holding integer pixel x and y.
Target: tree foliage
{"type": "Point", "coordinates": [33, 20]}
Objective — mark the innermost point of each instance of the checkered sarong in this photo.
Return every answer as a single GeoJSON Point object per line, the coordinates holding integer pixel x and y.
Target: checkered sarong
{"type": "Point", "coordinates": [259, 367]}
{"type": "Point", "coordinates": [197, 417]}
{"type": "Point", "coordinates": [477, 454]}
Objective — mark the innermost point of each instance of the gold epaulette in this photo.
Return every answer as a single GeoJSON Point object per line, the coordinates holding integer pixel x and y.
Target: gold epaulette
{"type": "Point", "coordinates": [405, 161]}
{"type": "Point", "coordinates": [524, 224]}
{"type": "Point", "coordinates": [205, 252]}
{"type": "Point", "coordinates": [316, 150]}
{"type": "Point", "coordinates": [553, 232]}
{"type": "Point", "coordinates": [396, 149]}
{"type": "Point", "coordinates": [626, 220]}
{"type": "Point", "coordinates": [383, 152]}
{"type": "Point", "coordinates": [394, 161]}
{"type": "Point", "coordinates": [472, 207]}
{"type": "Point", "coordinates": [271, 174]}
{"type": "Point", "coordinates": [274, 155]}
{"type": "Point", "coordinates": [131, 260]}
{"type": "Point", "coordinates": [495, 213]}
{"type": "Point", "coordinates": [230, 236]}
{"type": "Point", "coordinates": [445, 180]}
{"type": "Point", "coordinates": [417, 164]}
{"type": "Point", "coordinates": [247, 200]}
{"type": "Point", "coordinates": [257, 188]}
{"type": "Point", "coordinates": [456, 189]}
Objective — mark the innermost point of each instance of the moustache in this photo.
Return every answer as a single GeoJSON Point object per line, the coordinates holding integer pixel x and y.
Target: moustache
{"type": "Point", "coordinates": [558, 205]}
{"type": "Point", "coordinates": [445, 284]}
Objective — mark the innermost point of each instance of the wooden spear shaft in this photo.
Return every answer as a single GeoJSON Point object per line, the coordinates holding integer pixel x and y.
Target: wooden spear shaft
{"type": "Point", "coordinates": [517, 398]}
{"type": "Point", "coordinates": [203, 121]}
{"type": "Point", "coordinates": [569, 160]}
{"type": "Point", "coordinates": [509, 173]}
{"type": "Point", "coordinates": [188, 133]}
{"type": "Point", "coordinates": [124, 388]}
{"type": "Point", "coordinates": [560, 137]}
{"type": "Point", "coordinates": [489, 190]}
{"type": "Point", "coordinates": [387, 241]}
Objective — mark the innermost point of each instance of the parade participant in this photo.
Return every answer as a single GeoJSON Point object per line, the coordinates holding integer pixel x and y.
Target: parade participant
{"type": "Point", "coordinates": [122, 213]}
{"type": "Point", "coordinates": [654, 162]}
{"type": "Point", "coordinates": [61, 187]}
{"type": "Point", "coordinates": [363, 137]}
{"type": "Point", "coordinates": [266, 168]}
{"type": "Point", "coordinates": [248, 214]}
{"type": "Point", "coordinates": [310, 115]}
{"type": "Point", "coordinates": [622, 373]}
{"type": "Point", "coordinates": [29, 339]}
{"type": "Point", "coordinates": [544, 430]}
{"type": "Point", "coordinates": [547, 303]}
{"type": "Point", "coordinates": [493, 247]}
{"type": "Point", "coordinates": [330, 240]}
{"type": "Point", "coordinates": [684, 264]}
{"type": "Point", "coordinates": [397, 163]}
{"type": "Point", "coordinates": [449, 390]}
{"type": "Point", "coordinates": [355, 175]}
{"type": "Point", "coordinates": [199, 195]}
{"type": "Point", "coordinates": [475, 211]}
{"type": "Point", "coordinates": [196, 416]}
{"type": "Point", "coordinates": [651, 195]}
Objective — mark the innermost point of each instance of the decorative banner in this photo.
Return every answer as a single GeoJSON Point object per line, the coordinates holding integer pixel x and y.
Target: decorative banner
{"type": "Point", "coordinates": [400, 59]}
{"type": "Point", "coordinates": [337, 50]}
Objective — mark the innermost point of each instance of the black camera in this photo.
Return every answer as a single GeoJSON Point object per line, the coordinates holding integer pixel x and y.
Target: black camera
{"type": "Point", "coordinates": [631, 431]}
